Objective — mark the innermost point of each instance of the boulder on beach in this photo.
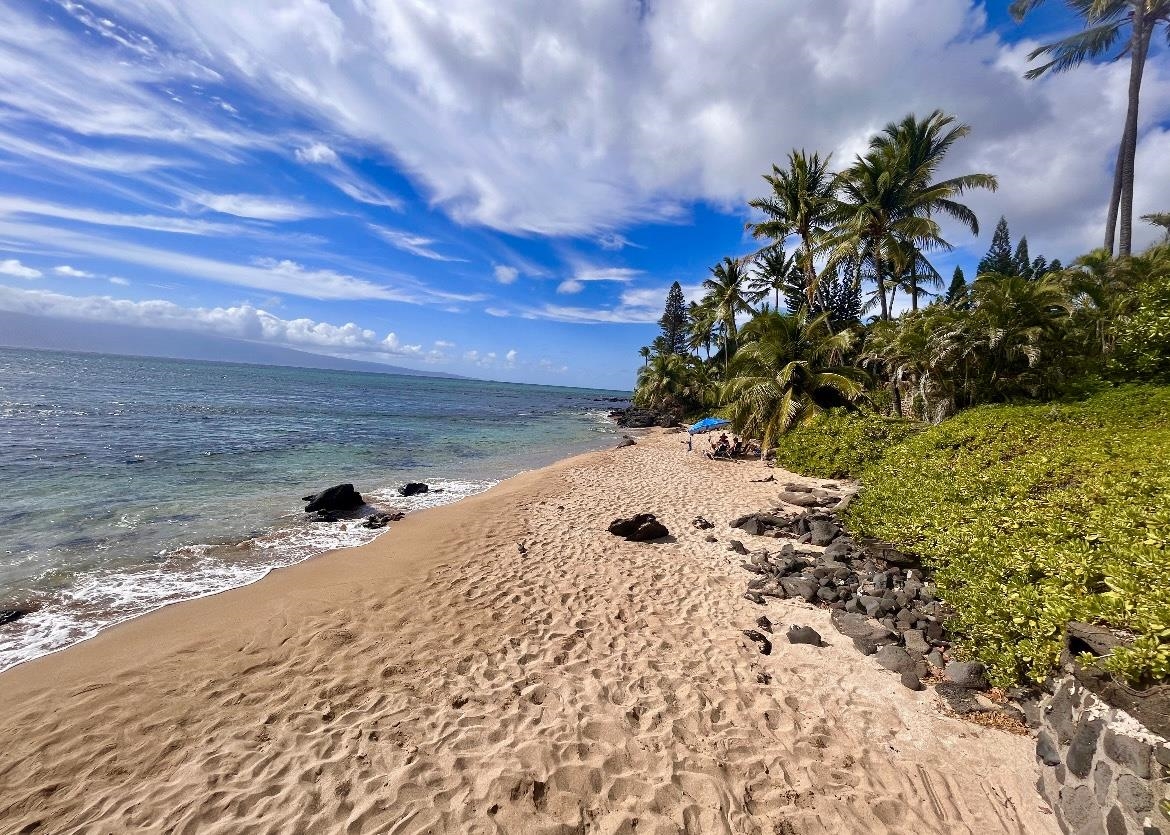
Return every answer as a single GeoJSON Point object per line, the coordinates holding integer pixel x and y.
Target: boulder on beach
{"type": "Point", "coordinates": [803, 635]}
{"type": "Point", "coordinates": [341, 498]}
{"type": "Point", "coordinates": [8, 614]}
{"type": "Point", "coordinates": [640, 528]}
{"type": "Point", "coordinates": [413, 488]}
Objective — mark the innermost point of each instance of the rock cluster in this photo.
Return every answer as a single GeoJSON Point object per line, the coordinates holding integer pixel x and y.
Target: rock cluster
{"type": "Point", "coordinates": [640, 528]}
{"type": "Point", "coordinates": [413, 488]}
{"type": "Point", "coordinates": [636, 418]}
{"type": "Point", "coordinates": [881, 598]}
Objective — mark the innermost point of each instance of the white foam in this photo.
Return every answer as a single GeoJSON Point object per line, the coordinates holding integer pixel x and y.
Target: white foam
{"type": "Point", "coordinates": [97, 601]}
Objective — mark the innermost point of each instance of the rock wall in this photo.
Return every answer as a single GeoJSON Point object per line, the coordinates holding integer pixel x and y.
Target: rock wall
{"type": "Point", "coordinates": [1104, 772]}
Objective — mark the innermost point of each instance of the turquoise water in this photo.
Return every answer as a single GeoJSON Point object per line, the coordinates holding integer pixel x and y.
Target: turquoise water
{"type": "Point", "coordinates": [130, 483]}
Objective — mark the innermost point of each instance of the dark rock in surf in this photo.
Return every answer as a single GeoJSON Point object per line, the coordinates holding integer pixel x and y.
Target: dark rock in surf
{"type": "Point", "coordinates": [381, 520]}
{"type": "Point", "coordinates": [413, 488]}
{"type": "Point", "coordinates": [341, 498]}
{"type": "Point", "coordinates": [14, 613]}
{"type": "Point", "coordinates": [625, 442]}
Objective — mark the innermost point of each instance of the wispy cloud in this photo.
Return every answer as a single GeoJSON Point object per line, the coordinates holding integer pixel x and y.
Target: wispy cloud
{"type": "Point", "coordinates": [409, 242]}
{"type": "Point", "coordinates": [23, 206]}
{"type": "Point", "coordinates": [255, 206]}
{"type": "Point", "coordinates": [584, 275]}
{"type": "Point", "coordinates": [71, 272]}
{"type": "Point", "coordinates": [330, 165]}
{"type": "Point", "coordinates": [505, 274]}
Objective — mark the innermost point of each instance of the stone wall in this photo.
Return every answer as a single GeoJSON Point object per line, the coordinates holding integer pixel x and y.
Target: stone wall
{"type": "Point", "coordinates": [1103, 772]}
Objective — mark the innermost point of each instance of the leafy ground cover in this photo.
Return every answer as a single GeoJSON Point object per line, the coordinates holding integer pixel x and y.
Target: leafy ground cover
{"type": "Point", "coordinates": [841, 445]}
{"type": "Point", "coordinates": [1033, 516]}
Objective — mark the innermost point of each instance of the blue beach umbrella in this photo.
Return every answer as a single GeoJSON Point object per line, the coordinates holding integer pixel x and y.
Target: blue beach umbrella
{"type": "Point", "coordinates": [707, 424]}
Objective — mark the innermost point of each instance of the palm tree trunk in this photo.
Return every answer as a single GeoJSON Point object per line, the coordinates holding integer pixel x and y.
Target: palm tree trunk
{"type": "Point", "coordinates": [1114, 200]}
{"type": "Point", "coordinates": [1141, 46]}
{"type": "Point", "coordinates": [914, 293]}
{"type": "Point", "coordinates": [810, 272]}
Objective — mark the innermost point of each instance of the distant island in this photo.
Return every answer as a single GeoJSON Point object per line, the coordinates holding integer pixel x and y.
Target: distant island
{"type": "Point", "coordinates": [21, 330]}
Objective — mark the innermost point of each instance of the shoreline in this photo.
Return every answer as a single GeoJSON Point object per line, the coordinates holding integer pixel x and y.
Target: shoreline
{"type": "Point", "coordinates": [443, 679]}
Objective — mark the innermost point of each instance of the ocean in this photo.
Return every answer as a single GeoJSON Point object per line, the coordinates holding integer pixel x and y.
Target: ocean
{"type": "Point", "coordinates": [130, 483]}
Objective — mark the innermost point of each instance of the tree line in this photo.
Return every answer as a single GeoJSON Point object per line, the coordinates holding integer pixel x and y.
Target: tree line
{"type": "Point", "coordinates": [841, 307]}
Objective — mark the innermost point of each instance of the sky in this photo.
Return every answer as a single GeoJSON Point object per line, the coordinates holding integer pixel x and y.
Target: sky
{"type": "Point", "coordinates": [502, 190]}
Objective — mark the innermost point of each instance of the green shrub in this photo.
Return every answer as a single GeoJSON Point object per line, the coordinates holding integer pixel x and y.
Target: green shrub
{"type": "Point", "coordinates": [1037, 515]}
{"type": "Point", "coordinates": [840, 445]}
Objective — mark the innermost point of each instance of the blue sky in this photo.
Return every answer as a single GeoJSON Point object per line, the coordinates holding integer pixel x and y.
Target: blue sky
{"type": "Point", "coordinates": [500, 190]}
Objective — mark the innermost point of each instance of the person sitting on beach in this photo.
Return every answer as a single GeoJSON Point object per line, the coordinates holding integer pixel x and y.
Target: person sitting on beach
{"type": "Point", "coordinates": [737, 447]}
{"type": "Point", "coordinates": [720, 448]}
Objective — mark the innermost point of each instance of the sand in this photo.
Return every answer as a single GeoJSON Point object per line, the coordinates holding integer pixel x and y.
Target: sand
{"type": "Point", "coordinates": [439, 680]}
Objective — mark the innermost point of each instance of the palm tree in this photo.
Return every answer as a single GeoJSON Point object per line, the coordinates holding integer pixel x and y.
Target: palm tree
{"type": "Point", "coordinates": [644, 353]}
{"type": "Point", "coordinates": [790, 368]}
{"type": "Point", "coordinates": [1017, 323]}
{"type": "Point", "coordinates": [703, 317]}
{"type": "Point", "coordinates": [773, 270]}
{"type": "Point", "coordinates": [730, 295]}
{"type": "Point", "coordinates": [662, 382]}
{"type": "Point", "coordinates": [888, 199]}
{"type": "Point", "coordinates": [800, 204]}
{"type": "Point", "coordinates": [1104, 22]}
{"type": "Point", "coordinates": [909, 270]}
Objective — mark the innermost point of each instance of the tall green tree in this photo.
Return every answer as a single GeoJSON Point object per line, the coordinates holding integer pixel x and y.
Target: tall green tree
{"type": "Point", "coordinates": [1021, 261]}
{"type": "Point", "coordinates": [675, 323]}
{"type": "Point", "coordinates": [999, 258]}
{"type": "Point", "coordinates": [774, 269]}
{"type": "Point", "coordinates": [730, 291]}
{"type": "Point", "coordinates": [957, 290]}
{"type": "Point", "coordinates": [790, 368]}
{"type": "Point", "coordinates": [1113, 29]}
{"type": "Point", "coordinates": [704, 321]}
{"type": "Point", "coordinates": [888, 199]}
{"type": "Point", "coordinates": [800, 204]}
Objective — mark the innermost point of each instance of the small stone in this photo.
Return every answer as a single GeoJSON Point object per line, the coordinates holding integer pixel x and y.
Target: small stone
{"type": "Point", "coordinates": [1162, 755]}
{"type": "Point", "coordinates": [823, 532]}
{"type": "Point", "coordinates": [1084, 746]}
{"type": "Point", "coordinates": [1046, 750]}
{"type": "Point", "coordinates": [803, 635]}
{"type": "Point", "coordinates": [936, 660]}
{"type": "Point", "coordinates": [1102, 779]}
{"type": "Point", "coordinates": [800, 587]}
{"type": "Point", "coordinates": [1129, 752]}
{"type": "Point", "coordinates": [754, 597]}
{"type": "Point", "coordinates": [737, 546]}
{"type": "Point", "coordinates": [969, 674]}
{"type": "Point", "coordinates": [763, 642]}
{"type": "Point", "coordinates": [763, 622]}
{"type": "Point", "coordinates": [915, 641]}
{"type": "Point", "coordinates": [1059, 712]}
{"type": "Point", "coordinates": [893, 657]}
{"type": "Point", "coordinates": [872, 606]}
{"type": "Point", "coordinates": [1115, 823]}
{"type": "Point", "coordinates": [764, 678]}
{"type": "Point", "coordinates": [827, 594]}
{"type": "Point", "coordinates": [1079, 804]}
{"type": "Point", "coordinates": [1134, 794]}
{"type": "Point", "coordinates": [865, 646]}
{"type": "Point", "coordinates": [911, 682]}
{"type": "Point", "coordinates": [838, 548]}
{"type": "Point", "coordinates": [712, 537]}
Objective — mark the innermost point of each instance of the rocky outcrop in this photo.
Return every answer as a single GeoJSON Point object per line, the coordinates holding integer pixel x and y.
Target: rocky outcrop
{"type": "Point", "coordinates": [637, 418]}
{"type": "Point", "coordinates": [341, 498]}
{"type": "Point", "coordinates": [413, 488]}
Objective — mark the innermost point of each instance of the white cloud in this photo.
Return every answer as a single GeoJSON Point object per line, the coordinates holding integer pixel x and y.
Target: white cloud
{"type": "Point", "coordinates": [409, 242]}
{"type": "Point", "coordinates": [510, 357]}
{"type": "Point", "coordinates": [24, 206]}
{"type": "Point", "coordinates": [498, 312]}
{"type": "Point", "coordinates": [71, 272]}
{"type": "Point", "coordinates": [268, 274]}
{"type": "Point", "coordinates": [636, 305]}
{"type": "Point", "coordinates": [238, 322]}
{"type": "Point", "coordinates": [582, 117]}
{"type": "Point", "coordinates": [505, 274]}
{"type": "Point", "coordinates": [443, 344]}
{"type": "Point", "coordinates": [570, 285]}
{"type": "Point", "coordinates": [255, 206]}
{"type": "Point", "coordinates": [121, 282]}
{"type": "Point", "coordinates": [577, 283]}
{"type": "Point", "coordinates": [13, 267]}
{"type": "Point", "coordinates": [316, 153]}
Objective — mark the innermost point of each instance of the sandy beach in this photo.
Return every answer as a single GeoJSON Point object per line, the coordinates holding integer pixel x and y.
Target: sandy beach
{"type": "Point", "coordinates": [443, 679]}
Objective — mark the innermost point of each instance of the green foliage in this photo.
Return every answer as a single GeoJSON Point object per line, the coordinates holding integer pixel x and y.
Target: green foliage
{"type": "Point", "coordinates": [841, 445]}
{"type": "Point", "coordinates": [1142, 338]}
{"type": "Point", "coordinates": [1037, 515]}
{"type": "Point", "coordinates": [675, 322]}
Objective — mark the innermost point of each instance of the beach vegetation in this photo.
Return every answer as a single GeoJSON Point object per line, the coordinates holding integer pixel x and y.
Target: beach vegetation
{"type": "Point", "coordinates": [1007, 427]}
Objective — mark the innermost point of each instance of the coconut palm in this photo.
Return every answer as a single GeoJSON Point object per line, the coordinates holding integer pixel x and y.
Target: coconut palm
{"type": "Point", "coordinates": [644, 353]}
{"type": "Point", "coordinates": [730, 294]}
{"type": "Point", "coordinates": [662, 382]}
{"type": "Point", "coordinates": [790, 368]}
{"type": "Point", "coordinates": [800, 204]}
{"type": "Point", "coordinates": [704, 320]}
{"type": "Point", "coordinates": [889, 198]}
{"type": "Point", "coordinates": [774, 269]}
{"type": "Point", "coordinates": [1105, 24]}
